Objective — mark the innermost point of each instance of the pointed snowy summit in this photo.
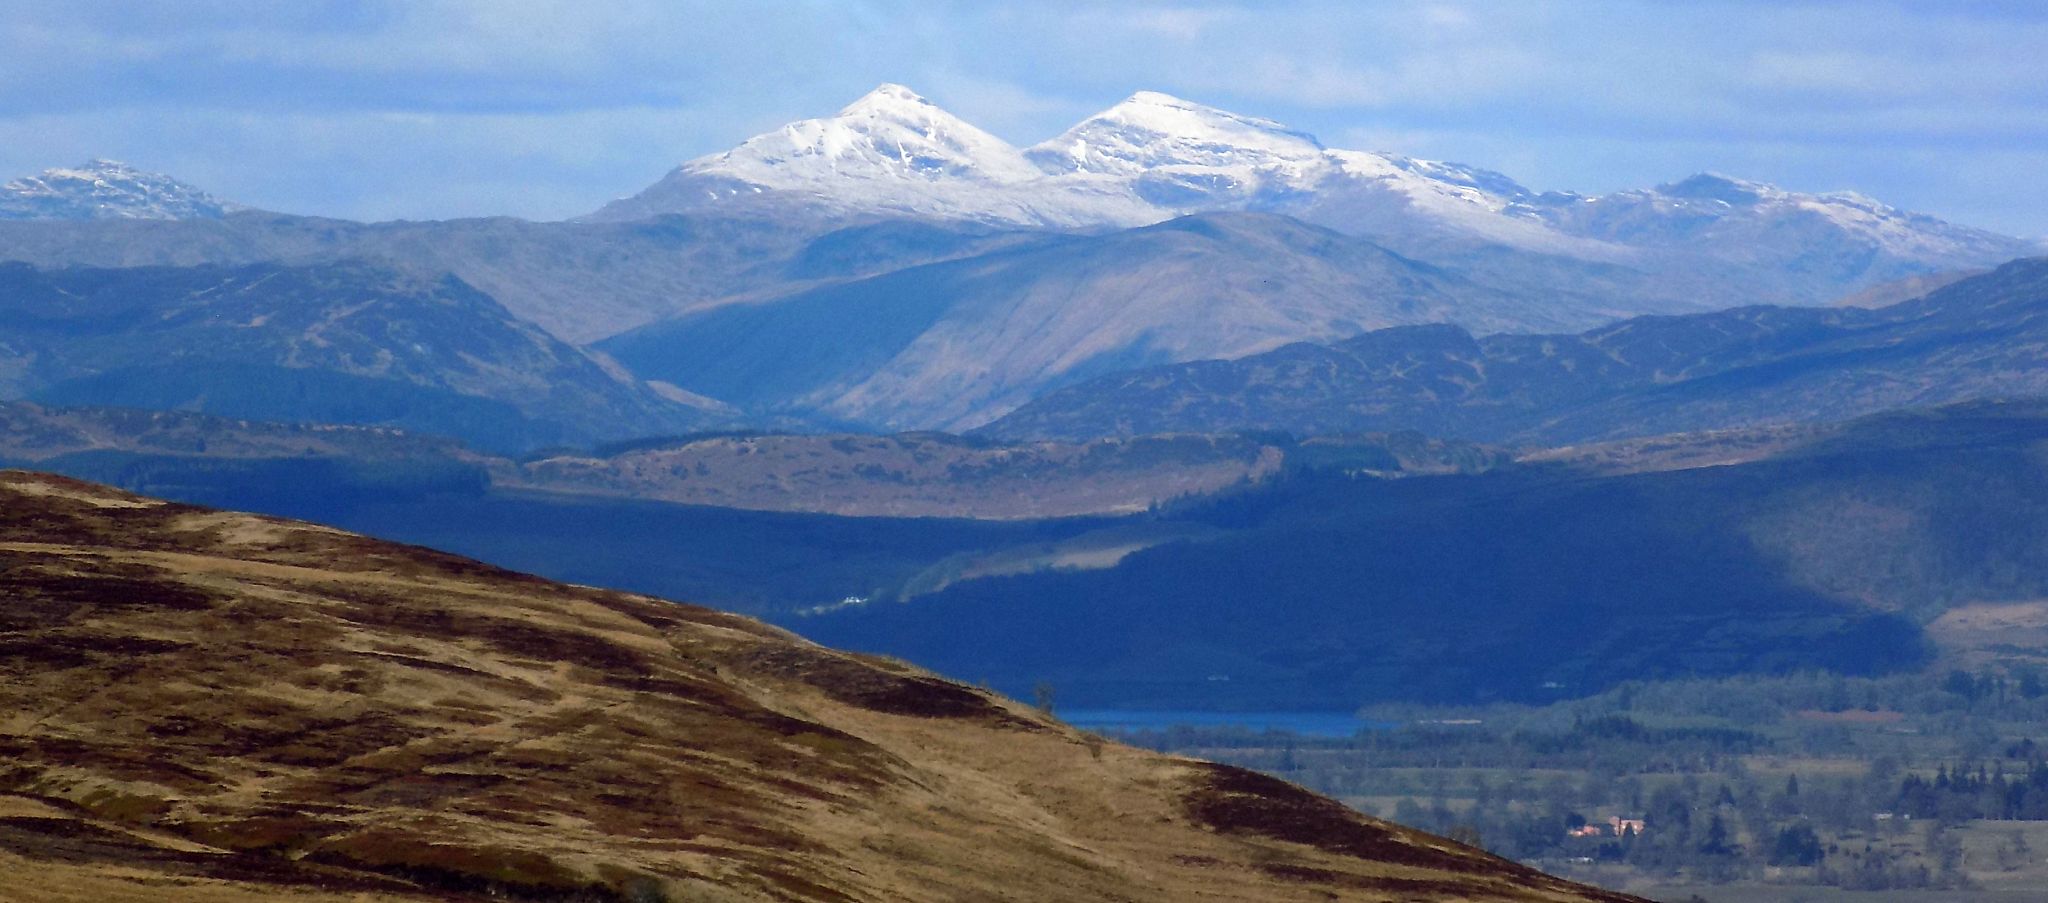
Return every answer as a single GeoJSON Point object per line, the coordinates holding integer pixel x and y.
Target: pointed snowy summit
{"type": "Point", "coordinates": [106, 189]}
{"type": "Point", "coordinates": [1150, 157]}
{"type": "Point", "coordinates": [1154, 156]}
{"type": "Point", "coordinates": [890, 134]}
{"type": "Point", "coordinates": [1149, 130]}
{"type": "Point", "coordinates": [889, 98]}
{"type": "Point", "coordinates": [1178, 156]}
{"type": "Point", "coordinates": [890, 152]}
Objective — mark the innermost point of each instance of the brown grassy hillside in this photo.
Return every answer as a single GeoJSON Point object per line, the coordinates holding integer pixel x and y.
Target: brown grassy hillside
{"type": "Point", "coordinates": [206, 706]}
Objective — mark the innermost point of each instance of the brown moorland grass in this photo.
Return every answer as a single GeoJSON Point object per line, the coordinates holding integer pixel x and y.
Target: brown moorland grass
{"type": "Point", "coordinates": [198, 706]}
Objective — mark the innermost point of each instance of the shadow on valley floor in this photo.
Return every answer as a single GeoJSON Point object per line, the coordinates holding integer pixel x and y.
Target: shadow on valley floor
{"type": "Point", "coordinates": [761, 563]}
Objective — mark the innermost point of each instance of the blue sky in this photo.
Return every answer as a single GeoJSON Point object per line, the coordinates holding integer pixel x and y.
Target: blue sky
{"type": "Point", "coordinates": [437, 108]}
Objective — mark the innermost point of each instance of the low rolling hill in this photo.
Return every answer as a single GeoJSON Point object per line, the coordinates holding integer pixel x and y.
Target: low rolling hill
{"type": "Point", "coordinates": [904, 475]}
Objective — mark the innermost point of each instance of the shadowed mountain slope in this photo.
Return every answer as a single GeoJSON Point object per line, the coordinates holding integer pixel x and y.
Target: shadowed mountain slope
{"type": "Point", "coordinates": [32, 432]}
{"type": "Point", "coordinates": [1857, 548]}
{"type": "Point", "coordinates": [579, 281]}
{"type": "Point", "coordinates": [1981, 337]}
{"type": "Point", "coordinates": [206, 706]}
{"type": "Point", "coordinates": [954, 344]}
{"type": "Point", "coordinates": [345, 342]}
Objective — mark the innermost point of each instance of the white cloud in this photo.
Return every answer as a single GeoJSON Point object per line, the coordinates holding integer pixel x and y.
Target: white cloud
{"type": "Point", "coordinates": [1446, 15]}
{"type": "Point", "coordinates": [1181, 24]}
{"type": "Point", "coordinates": [1827, 70]}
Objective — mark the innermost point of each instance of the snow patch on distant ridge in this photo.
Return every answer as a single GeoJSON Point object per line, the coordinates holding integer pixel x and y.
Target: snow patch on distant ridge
{"type": "Point", "coordinates": [1153, 157]}
{"type": "Point", "coordinates": [106, 189]}
{"type": "Point", "coordinates": [891, 151]}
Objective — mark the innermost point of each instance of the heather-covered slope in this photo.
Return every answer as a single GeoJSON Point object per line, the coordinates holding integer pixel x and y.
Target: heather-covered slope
{"type": "Point", "coordinates": [204, 706]}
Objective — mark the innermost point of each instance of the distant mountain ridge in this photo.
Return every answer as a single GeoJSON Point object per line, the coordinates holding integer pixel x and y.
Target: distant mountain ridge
{"type": "Point", "coordinates": [106, 189]}
{"type": "Point", "coordinates": [579, 281]}
{"type": "Point", "coordinates": [953, 344]}
{"type": "Point", "coordinates": [893, 267]}
{"type": "Point", "coordinates": [1981, 337]}
{"type": "Point", "coordinates": [346, 342]}
{"type": "Point", "coordinates": [1148, 158]}
{"type": "Point", "coordinates": [890, 152]}
{"type": "Point", "coordinates": [1153, 156]}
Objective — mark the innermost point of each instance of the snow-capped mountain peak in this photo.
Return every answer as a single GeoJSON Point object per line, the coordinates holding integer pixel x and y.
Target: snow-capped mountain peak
{"type": "Point", "coordinates": [1150, 157]}
{"type": "Point", "coordinates": [1153, 156]}
{"type": "Point", "coordinates": [1759, 219]}
{"type": "Point", "coordinates": [891, 152]}
{"type": "Point", "coordinates": [889, 134]}
{"type": "Point", "coordinates": [106, 189]}
{"type": "Point", "coordinates": [1149, 130]}
{"type": "Point", "coordinates": [1713, 186]}
{"type": "Point", "coordinates": [888, 98]}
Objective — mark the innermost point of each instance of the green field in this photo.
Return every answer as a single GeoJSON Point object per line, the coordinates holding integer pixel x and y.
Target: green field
{"type": "Point", "coordinates": [1800, 788]}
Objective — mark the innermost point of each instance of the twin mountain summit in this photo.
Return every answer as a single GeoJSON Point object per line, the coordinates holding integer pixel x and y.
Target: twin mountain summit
{"type": "Point", "coordinates": [891, 267]}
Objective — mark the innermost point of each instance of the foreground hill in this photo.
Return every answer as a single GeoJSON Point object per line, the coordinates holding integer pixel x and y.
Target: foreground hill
{"type": "Point", "coordinates": [1981, 337]}
{"type": "Point", "coordinates": [346, 342]}
{"type": "Point", "coordinates": [205, 706]}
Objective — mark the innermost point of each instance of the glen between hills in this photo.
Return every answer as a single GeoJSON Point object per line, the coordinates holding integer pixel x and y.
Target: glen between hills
{"type": "Point", "coordinates": [1352, 570]}
{"type": "Point", "coordinates": [1859, 549]}
{"type": "Point", "coordinates": [204, 706]}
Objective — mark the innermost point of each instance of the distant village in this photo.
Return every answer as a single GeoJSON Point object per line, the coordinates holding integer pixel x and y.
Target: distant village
{"type": "Point", "coordinates": [1616, 826]}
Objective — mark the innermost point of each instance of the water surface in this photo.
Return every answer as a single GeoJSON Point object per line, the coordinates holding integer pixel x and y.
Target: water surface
{"type": "Point", "coordinates": [1307, 724]}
